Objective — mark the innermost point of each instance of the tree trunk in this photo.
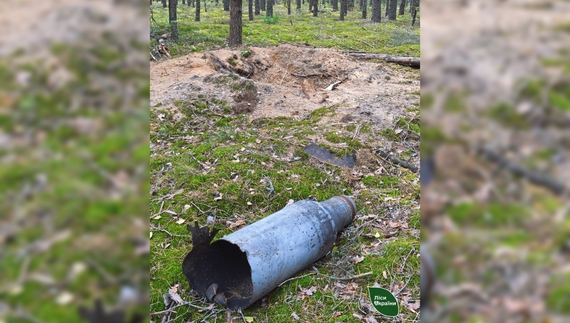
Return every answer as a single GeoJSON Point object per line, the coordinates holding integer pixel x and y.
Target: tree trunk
{"type": "Point", "coordinates": [393, 12]}
{"type": "Point", "coordinates": [289, 7]}
{"type": "Point", "coordinates": [387, 7]}
{"type": "Point", "coordinates": [316, 8]}
{"type": "Point", "coordinates": [226, 5]}
{"type": "Point", "coordinates": [402, 7]}
{"type": "Point", "coordinates": [269, 11]}
{"type": "Point", "coordinates": [342, 9]}
{"type": "Point", "coordinates": [262, 5]}
{"type": "Point", "coordinates": [250, 9]}
{"type": "Point", "coordinates": [235, 23]}
{"type": "Point", "coordinates": [257, 12]}
{"type": "Point", "coordinates": [350, 5]}
{"type": "Point", "coordinates": [164, 4]}
{"type": "Point", "coordinates": [188, 2]}
{"type": "Point", "coordinates": [298, 4]}
{"type": "Point", "coordinates": [197, 10]}
{"type": "Point", "coordinates": [334, 4]}
{"type": "Point", "coordinates": [364, 5]}
{"type": "Point", "coordinates": [172, 19]}
{"type": "Point", "coordinates": [376, 11]}
{"type": "Point", "coordinates": [414, 9]}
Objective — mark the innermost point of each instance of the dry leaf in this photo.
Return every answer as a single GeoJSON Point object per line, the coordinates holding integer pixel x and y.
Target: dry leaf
{"type": "Point", "coordinates": [358, 259]}
{"type": "Point", "coordinates": [175, 297]}
{"type": "Point", "coordinates": [150, 235]}
{"type": "Point", "coordinates": [238, 223]}
{"type": "Point", "coordinates": [219, 197]}
{"type": "Point", "coordinates": [170, 212]}
{"type": "Point", "coordinates": [384, 274]}
{"type": "Point", "coordinates": [295, 316]}
{"type": "Point", "coordinates": [156, 217]}
{"type": "Point", "coordinates": [180, 221]}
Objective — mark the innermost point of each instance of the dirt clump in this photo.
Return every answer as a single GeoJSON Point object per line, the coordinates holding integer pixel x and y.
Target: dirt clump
{"type": "Point", "coordinates": [290, 81]}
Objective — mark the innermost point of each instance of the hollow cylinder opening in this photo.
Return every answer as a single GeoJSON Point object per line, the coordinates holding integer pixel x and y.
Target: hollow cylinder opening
{"type": "Point", "coordinates": [225, 264]}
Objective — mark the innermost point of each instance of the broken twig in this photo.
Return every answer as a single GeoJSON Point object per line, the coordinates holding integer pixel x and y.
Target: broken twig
{"type": "Point", "coordinates": [398, 161]}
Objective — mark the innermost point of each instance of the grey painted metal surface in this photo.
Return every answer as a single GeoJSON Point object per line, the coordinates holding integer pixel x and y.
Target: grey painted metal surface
{"type": "Point", "coordinates": [252, 261]}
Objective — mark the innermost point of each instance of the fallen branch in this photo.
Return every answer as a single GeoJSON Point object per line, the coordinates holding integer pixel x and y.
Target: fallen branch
{"type": "Point", "coordinates": [398, 161]}
{"type": "Point", "coordinates": [534, 177]}
{"type": "Point", "coordinates": [406, 61]}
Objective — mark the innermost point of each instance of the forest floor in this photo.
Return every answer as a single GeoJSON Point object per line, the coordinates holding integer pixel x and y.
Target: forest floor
{"type": "Point", "coordinates": [228, 129]}
{"type": "Point", "coordinates": [496, 99]}
{"type": "Point", "coordinates": [73, 150]}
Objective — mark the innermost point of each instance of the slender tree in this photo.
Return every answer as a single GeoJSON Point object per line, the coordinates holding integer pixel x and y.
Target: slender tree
{"type": "Point", "coordinates": [235, 23]}
{"type": "Point", "coordinates": [164, 4]}
{"type": "Point", "coordinates": [257, 12]}
{"type": "Point", "coordinates": [334, 4]}
{"type": "Point", "coordinates": [364, 5]}
{"type": "Point", "coordinates": [197, 10]}
{"type": "Point", "coordinates": [387, 7]}
{"type": "Point", "coordinates": [172, 4]}
{"type": "Point", "coordinates": [299, 4]}
{"type": "Point", "coordinates": [414, 4]}
{"type": "Point", "coordinates": [226, 5]}
{"type": "Point", "coordinates": [376, 11]}
{"type": "Point", "coordinates": [342, 9]}
{"type": "Point", "coordinates": [262, 5]}
{"type": "Point", "coordinates": [392, 13]}
{"type": "Point", "coordinates": [402, 7]}
{"type": "Point", "coordinates": [250, 9]}
{"type": "Point", "coordinates": [315, 8]}
{"type": "Point", "coordinates": [269, 11]}
{"type": "Point", "coordinates": [289, 7]}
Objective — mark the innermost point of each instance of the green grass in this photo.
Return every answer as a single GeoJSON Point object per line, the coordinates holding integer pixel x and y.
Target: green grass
{"type": "Point", "coordinates": [388, 37]}
{"type": "Point", "coordinates": [232, 159]}
{"type": "Point", "coordinates": [68, 171]}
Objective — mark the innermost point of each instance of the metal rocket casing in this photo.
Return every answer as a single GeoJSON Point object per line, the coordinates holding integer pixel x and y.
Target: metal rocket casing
{"type": "Point", "coordinates": [252, 261]}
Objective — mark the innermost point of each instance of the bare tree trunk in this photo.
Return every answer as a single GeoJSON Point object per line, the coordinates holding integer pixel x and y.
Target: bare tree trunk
{"type": "Point", "coordinates": [257, 12]}
{"type": "Point", "coordinates": [262, 5]}
{"type": "Point", "coordinates": [392, 13]}
{"type": "Point", "coordinates": [334, 4]}
{"type": "Point", "coordinates": [197, 10]}
{"type": "Point", "coordinates": [269, 11]}
{"type": "Point", "coordinates": [289, 7]}
{"type": "Point", "coordinates": [376, 11]}
{"type": "Point", "coordinates": [315, 8]}
{"type": "Point", "coordinates": [402, 8]}
{"type": "Point", "coordinates": [164, 4]}
{"type": "Point", "coordinates": [364, 8]}
{"type": "Point", "coordinates": [414, 9]}
{"type": "Point", "coordinates": [298, 4]}
{"type": "Point", "coordinates": [387, 7]}
{"type": "Point", "coordinates": [235, 23]}
{"type": "Point", "coordinates": [342, 9]}
{"type": "Point", "coordinates": [226, 5]}
{"type": "Point", "coordinates": [250, 9]}
{"type": "Point", "coordinates": [172, 19]}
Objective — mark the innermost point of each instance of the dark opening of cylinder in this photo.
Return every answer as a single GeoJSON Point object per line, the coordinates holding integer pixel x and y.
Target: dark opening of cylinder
{"type": "Point", "coordinates": [222, 263]}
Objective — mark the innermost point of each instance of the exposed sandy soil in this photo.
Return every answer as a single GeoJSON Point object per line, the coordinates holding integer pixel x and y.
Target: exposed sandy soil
{"type": "Point", "coordinates": [291, 81]}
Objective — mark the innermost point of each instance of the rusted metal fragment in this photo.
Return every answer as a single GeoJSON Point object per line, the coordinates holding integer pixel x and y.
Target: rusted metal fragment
{"type": "Point", "coordinates": [322, 154]}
